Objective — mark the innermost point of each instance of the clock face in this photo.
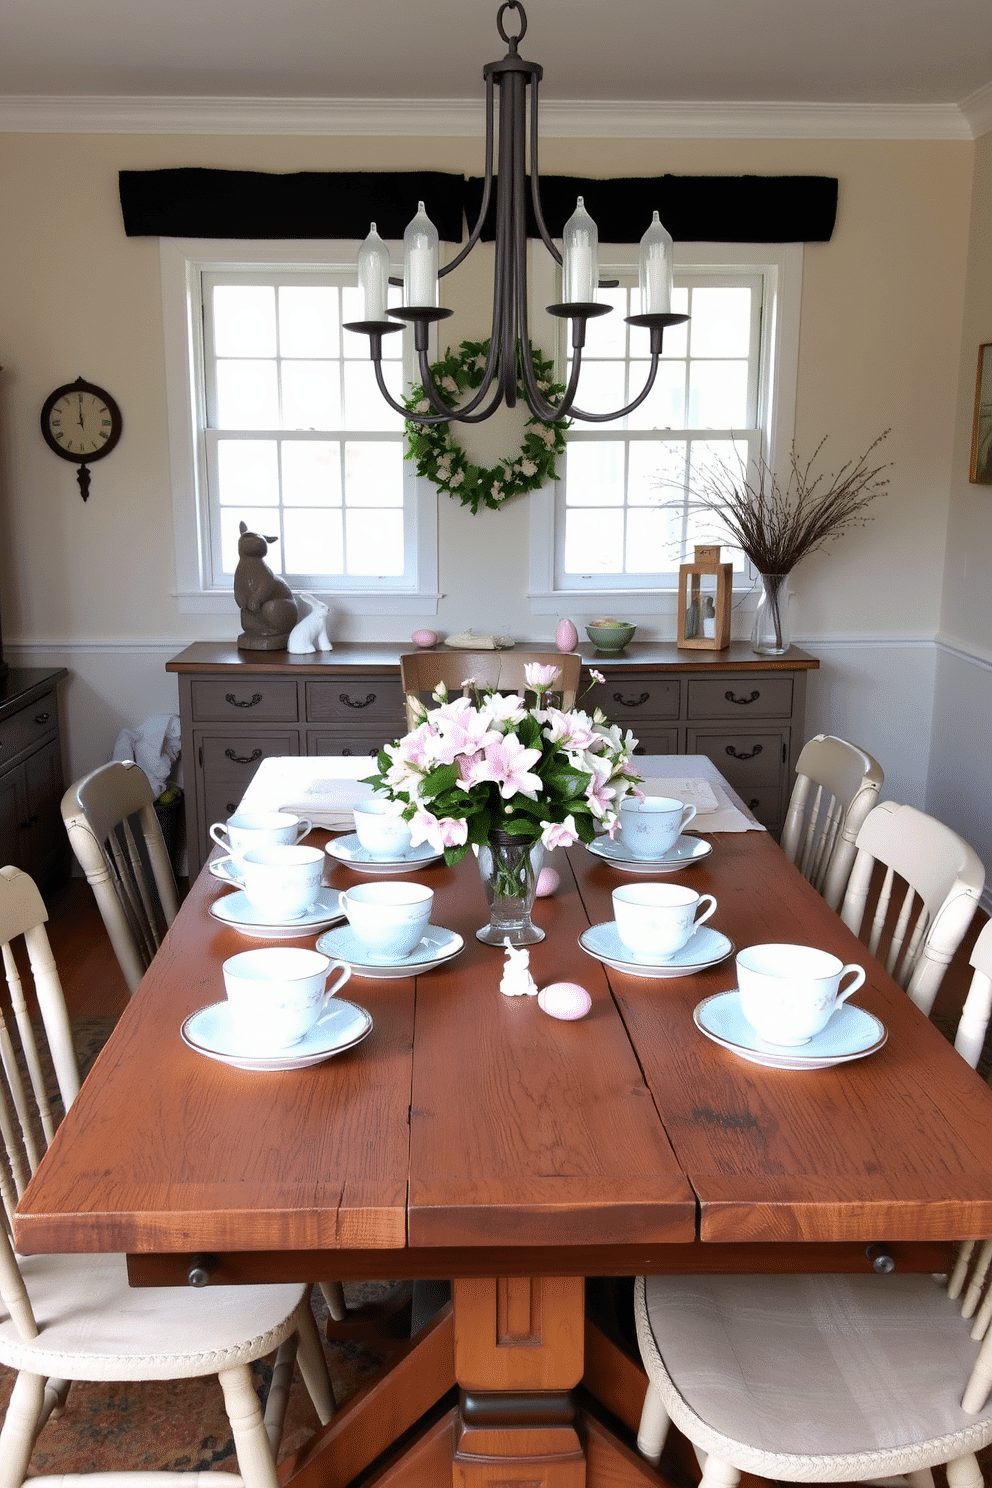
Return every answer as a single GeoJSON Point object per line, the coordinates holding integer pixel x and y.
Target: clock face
{"type": "Point", "coordinates": [80, 422]}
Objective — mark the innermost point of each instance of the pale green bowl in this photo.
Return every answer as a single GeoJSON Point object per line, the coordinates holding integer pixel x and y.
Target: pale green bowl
{"type": "Point", "coordinates": [610, 637]}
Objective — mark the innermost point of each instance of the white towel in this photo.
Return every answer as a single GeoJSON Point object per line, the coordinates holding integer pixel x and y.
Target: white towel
{"type": "Point", "coordinates": [715, 812]}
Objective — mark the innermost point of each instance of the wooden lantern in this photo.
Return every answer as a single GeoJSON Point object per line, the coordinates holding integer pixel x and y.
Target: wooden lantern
{"type": "Point", "coordinates": [705, 589]}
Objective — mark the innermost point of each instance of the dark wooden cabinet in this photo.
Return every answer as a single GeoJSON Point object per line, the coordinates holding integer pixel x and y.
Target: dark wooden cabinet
{"type": "Point", "coordinates": [744, 712]}
{"type": "Point", "coordinates": [32, 835]}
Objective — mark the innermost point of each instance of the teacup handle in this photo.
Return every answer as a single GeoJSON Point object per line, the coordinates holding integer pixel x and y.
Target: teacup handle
{"type": "Point", "coordinates": [688, 812]}
{"type": "Point", "coordinates": [859, 976]}
{"type": "Point", "coordinates": [215, 832]}
{"type": "Point", "coordinates": [305, 826]}
{"type": "Point", "coordinates": [345, 970]}
{"type": "Point", "coordinates": [703, 914]}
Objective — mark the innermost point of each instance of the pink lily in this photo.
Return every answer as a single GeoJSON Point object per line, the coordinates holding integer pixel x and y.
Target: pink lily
{"type": "Point", "coordinates": [509, 766]}
{"type": "Point", "coordinates": [560, 834]}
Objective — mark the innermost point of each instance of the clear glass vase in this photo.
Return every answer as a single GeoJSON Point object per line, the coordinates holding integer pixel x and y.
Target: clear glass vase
{"type": "Point", "coordinates": [771, 635]}
{"type": "Point", "coordinates": [509, 867]}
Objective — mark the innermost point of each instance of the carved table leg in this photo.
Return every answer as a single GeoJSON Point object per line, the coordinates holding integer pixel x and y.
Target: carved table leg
{"type": "Point", "coordinates": [518, 1357]}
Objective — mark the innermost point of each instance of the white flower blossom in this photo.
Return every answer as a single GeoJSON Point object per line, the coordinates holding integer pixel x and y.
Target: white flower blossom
{"type": "Point", "coordinates": [528, 467]}
{"type": "Point", "coordinates": [449, 384]}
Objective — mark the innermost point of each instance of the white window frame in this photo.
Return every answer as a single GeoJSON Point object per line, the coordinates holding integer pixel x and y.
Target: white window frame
{"type": "Point", "coordinates": [182, 262]}
{"type": "Point", "coordinates": [782, 265]}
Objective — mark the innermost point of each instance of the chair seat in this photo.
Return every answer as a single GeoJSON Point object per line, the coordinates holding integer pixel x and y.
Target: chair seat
{"type": "Point", "coordinates": [92, 1325]}
{"type": "Point", "coordinates": [813, 1378]}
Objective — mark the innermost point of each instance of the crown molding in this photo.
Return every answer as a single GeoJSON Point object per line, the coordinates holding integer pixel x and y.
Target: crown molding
{"type": "Point", "coordinates": [977, 110]}
{"type": "Point", "coordinates": [560, 119]}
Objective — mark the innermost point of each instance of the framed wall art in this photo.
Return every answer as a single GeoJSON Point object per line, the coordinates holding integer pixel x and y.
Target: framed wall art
{"type": "Point", "coordinates": [981, 438]}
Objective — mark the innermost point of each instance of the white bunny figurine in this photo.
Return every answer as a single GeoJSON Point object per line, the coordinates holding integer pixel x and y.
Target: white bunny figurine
{"type": "Point", "coordinates": [517, 980]}
{"type": "Point", "coordinates": [310, 633]}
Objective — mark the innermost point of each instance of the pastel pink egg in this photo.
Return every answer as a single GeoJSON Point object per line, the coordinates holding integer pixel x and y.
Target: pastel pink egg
{"type": "Point", "coordinates": [547, 882]}
{"type": "Point", "coordinates": [565, 1000]}
{"type": "Point", "coordinates": [566, 636]}
{"type": "Point", "coordinates": [424, 638]}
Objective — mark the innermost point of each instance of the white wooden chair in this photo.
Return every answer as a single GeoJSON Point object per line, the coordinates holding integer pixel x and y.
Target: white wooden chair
{"type": "Point", "coordinates": [837, 785]}
{"type": "Point", "coordinates": [821, 1379]}
{"type": "Point", "coordinates": [974, 1020]}
{"type": "Point", "coordinates": [421, 671]}
{"type": "Point", "coordinates": [69, 1317]}
{"type": "Point", "coordinates": [116, 836]}
{"type": "Point", "coordinates": [926, 900]}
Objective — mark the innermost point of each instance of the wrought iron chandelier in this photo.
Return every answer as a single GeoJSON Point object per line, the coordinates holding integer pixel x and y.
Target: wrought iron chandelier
{"type": "Point", "coordinates": [579, 260]}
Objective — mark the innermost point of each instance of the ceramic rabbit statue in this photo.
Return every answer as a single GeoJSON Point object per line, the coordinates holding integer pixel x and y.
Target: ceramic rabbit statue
{"type": "Point", "coordinates": [268, 609]}
{"type": "Point", "coordinates": [310, 634]}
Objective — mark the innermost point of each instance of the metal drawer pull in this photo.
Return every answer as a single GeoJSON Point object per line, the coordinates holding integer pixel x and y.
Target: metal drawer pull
{"type": "Point", "coordinates": [42, 717]}
{"type": "Point", "coordinates": [256, 697]}
{"type": "Point", "coordinates": [742, 701]}
{"type": "Point", "coordinates": [880, 1259]}
{"type": "Point", "coordinates": [356, 702]}
{"type": "Point", "coordinates": [373, 752]}
{"type": "Point", "coordinates": [733, 752]}
{"type": "Point", "coordinates": [243, 759]}
{"type": "Point", "coordinates": [631, 702]}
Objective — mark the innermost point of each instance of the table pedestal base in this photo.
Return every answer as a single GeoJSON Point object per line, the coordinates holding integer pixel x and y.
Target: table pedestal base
{"type": "Point", "coordinates": [480, 1400]}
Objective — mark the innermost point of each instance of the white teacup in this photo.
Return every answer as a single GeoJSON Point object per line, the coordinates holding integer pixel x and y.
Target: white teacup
{"type": "Point", "coordinates": [650, 825]}
{"type": "Point", "coordinates": [277, 993]}
{"type": "Point", "coordinates": [789, 992]}
{"type": "Point", "coordinates": [387, 919]}
{"type": "Point", "coordinates": [655, 920]}
{"type": "Point", "coordinates": [283, 881]}
{"type": "Point", "coordinates": [381, 829]}
{"type": "Point", "coordinates": [246, 830]}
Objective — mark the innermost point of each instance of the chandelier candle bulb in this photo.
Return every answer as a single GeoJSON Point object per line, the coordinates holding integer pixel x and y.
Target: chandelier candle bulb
{"type": "Point", "coordinates": [373, 275]}
{"type": "Point", "coordinates": [580, 257]}
{"type": "Point", "coordinates": [420, 260]}
{"type": "Point", "coordinates": [655, 264]}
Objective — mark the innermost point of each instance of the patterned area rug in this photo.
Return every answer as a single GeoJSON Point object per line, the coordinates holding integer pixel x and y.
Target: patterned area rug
{"type": "Point", "coordinates": [180, 1425]}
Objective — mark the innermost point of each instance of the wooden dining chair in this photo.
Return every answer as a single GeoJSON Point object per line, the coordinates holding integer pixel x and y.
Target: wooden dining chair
{"type": "Point", "coordinates": [974, 1020]}
{"type": "Point", "coordinates": [828, 1379]}
{"type": "Point", "coordinates": [502, 671]}
{"type": "Point", "coordinates": [75, 1317]}
{"type": "Point", "coordinates": [911, 895]}
{"type": "Point", "coordinates": [116, 836]}
{"type": "Point", "coordinates": [837, 785]}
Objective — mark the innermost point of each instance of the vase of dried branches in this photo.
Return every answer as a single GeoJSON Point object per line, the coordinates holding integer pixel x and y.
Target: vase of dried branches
{"type": "Point", "coordinates": [771, 635]}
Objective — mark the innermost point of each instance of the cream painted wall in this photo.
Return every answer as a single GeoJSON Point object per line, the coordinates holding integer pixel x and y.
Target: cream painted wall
{"type": "Point", "coordinates": [960, 775]}
{"type": "Point", "coordinates": [880, 347]}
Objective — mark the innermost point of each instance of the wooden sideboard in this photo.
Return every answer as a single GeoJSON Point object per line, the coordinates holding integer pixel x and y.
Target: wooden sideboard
{"type": "Point", "coordinates": [744, 712]}
{"type": "Point", "coordinates": [32, 836]}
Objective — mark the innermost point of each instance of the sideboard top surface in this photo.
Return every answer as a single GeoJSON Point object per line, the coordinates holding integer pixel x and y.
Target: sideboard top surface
{"type": "Point", "coordinates": [21, 685]}
{"type": "Point", "coordinates": [383, 656]}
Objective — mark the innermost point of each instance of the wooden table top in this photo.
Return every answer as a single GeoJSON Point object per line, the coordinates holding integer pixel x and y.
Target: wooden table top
{"type": "Point", "coordinates": [469, 1122]}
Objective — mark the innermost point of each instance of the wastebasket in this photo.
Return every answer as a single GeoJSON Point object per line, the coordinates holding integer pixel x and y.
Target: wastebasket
{"type": "Point", "coordinates": [169, 810]}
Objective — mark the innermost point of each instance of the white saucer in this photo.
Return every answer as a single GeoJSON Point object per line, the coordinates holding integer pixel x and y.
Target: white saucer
{"type": "Point", "coordinates": [225, 870]}
{"type": "Point", "coordinates": [349, 850]}
{"type": "Point", "coordinates": [436, 945]}
{"type": "Point", "coordinates": [705, 948]}
{"type": "Point", "coordinates": [851, 1034]}
{"type": "Point", "coordinates": [237, 909]}
{"type": "Point", "coordinates": [682, 854]}
{"type": "Point", "coordinates": [211, 1032]}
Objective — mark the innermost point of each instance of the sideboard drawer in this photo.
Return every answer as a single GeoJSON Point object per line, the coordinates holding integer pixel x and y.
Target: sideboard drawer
{"type": "Point", "coordinates": [323, 742]}
{"type": "Point", "coordinates": [744, 759]}
{"type": "Point", "coordinates": [28, 727]}
{"type": "Point", "coordinates": [237, 756]}
{"type": "Point", "coordinates": [657, 741]}
{"type": "Point", "coordinates": [627, 698]}
{"type": "Point", "coordinates": [740, 697]}
{"type": "Point", "coordinates": [372, 705]}
{"type": "Point", "coordinates": [254, 700]}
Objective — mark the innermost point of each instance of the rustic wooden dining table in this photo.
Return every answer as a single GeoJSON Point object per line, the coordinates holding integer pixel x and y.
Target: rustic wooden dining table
{"type": "Point", "coordinates": [473, 1137]}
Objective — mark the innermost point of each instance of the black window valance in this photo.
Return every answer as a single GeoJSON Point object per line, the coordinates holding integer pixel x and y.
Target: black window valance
{"type": "Point", "coordinates": [195, 202]}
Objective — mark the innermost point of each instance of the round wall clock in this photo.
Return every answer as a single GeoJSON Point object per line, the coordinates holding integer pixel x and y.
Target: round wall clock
{"type": "Point", "coordinates": [81, 423]}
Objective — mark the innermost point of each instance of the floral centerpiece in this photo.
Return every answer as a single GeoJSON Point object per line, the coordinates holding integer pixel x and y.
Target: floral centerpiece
{"type": "Point", "coordinates": [493, 773]}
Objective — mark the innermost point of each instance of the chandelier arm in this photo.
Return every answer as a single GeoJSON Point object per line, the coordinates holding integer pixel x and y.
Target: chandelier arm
{"type": "Point", "coordinates": [549, 413]}
{"type": "Point", "coordinates": [487, 188]}
{"type": "Point", "coordinates": [535, 180]}
{"type": "Point", "coordinates": [605, 418]}
{"type": "Point", "coordinates": [417, 418]}
{"type": "Point", "coordinates": [463, 415]}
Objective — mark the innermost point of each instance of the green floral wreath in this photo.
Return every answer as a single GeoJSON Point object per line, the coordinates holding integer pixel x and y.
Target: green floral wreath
{"type": "Point", "coordinates": [445, 463]}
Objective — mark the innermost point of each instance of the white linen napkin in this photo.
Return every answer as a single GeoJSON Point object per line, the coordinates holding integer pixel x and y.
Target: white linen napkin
{"type": "Point", "coordinates": [328, 803]}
